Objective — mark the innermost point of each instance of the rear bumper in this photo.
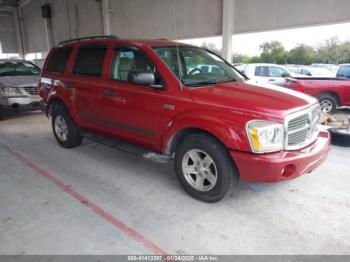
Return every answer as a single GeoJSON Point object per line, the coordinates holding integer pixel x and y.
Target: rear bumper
{"type": "Point", "coordinates": [281, 166]}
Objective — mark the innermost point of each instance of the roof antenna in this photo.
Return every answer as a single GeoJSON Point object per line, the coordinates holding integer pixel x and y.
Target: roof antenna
{"type": "Point", "coordinates": [177, 47]}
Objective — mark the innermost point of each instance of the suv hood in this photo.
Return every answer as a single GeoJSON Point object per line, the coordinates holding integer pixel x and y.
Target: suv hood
{"type": "Point", "coordinates": [19, 81]}
{"type": "Point", "coordinates": [248, 97]}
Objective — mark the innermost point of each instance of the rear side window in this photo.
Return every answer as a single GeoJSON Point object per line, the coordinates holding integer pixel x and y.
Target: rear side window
{"type": "Point", "coordinates": [89, 61]}
{"type": "Point", "coordinates": [58, 60]}
{"type": "Point", "coordinates": [344, 71]}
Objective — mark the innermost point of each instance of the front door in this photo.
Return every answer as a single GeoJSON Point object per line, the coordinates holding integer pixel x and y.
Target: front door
{"type": "Point", "coordinates": [133, 110]}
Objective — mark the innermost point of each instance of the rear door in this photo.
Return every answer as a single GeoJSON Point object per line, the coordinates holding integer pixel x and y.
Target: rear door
{"type": "Point", "coordinates": [261, 73]}
{"type": "Point", "coordinates": [86, 81]}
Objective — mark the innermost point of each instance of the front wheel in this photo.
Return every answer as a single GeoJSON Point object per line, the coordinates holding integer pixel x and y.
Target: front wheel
{"type": "Point", "coordinates": [204, 168]}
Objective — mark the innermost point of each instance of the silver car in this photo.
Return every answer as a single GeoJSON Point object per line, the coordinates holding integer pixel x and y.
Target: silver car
{"type": "Point", "coordinates": [18, 85]}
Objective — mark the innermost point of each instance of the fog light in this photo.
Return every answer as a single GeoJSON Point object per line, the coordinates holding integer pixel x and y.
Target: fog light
{"type": "Point", "coordinates": [288, 171]}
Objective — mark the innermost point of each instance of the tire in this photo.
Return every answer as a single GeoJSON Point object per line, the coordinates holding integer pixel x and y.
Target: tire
{"type": "Point", "coordinates": [69, 136]}
{"type": "Point", "coordinates": [339, 138]}
{"type": "Point", "coordinates": [328, 103]}
{"type": "Point", "coordinates": [219, 168]}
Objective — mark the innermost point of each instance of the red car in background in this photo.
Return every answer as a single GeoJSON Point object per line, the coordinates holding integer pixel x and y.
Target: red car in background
{"type": "Point", "coordinates": [331, 92]}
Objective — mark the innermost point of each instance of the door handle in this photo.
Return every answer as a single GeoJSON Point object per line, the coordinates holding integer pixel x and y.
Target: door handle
{"type": "Point", "coordinates": [271, 80]}
{"type": "Point", "coordinates": [110, 93]}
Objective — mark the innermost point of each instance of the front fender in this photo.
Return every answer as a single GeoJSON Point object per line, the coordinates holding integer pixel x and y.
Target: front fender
{"type": "Point", "coordinates": [230, 131]}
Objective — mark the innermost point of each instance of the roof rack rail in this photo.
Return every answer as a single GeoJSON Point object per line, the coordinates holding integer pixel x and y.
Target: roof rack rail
{"type": "Point", "coordinates": [89, 37]}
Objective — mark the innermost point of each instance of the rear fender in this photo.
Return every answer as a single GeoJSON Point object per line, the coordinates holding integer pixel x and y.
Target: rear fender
{"type": "Point", "coordinates": [53, 97]}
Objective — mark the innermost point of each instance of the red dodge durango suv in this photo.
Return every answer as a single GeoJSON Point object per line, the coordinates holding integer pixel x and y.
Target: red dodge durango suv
{"type": "Point", "coordinates": [183, 102]}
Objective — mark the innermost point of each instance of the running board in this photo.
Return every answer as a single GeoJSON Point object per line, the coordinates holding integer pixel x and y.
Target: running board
{"type": "Point", "coordinates": [126, 147]}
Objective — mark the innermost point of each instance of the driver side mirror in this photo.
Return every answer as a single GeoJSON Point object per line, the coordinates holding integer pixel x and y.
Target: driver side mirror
{"type": "Point", "coordinates": [285, 74]}
{"type": "Point", "coordinates": [141, 77]}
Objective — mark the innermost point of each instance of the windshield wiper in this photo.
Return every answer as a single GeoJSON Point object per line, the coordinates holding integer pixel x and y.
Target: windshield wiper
{"type": "Point", "coordinates": [209, 82]}
{"type": "Point", "coordinates": [201, 83]}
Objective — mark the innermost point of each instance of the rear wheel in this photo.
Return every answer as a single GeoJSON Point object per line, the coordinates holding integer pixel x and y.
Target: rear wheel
{"type": "Point", "coordinates": [328, 103]}
{"type": "Point", "coordinates": [66, 132]}
{"type": "Point", "coordinates": [204, 168]}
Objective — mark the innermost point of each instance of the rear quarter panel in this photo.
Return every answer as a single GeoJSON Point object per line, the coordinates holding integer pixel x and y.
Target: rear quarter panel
{"type": "Point", "coordinates": [51, 86]}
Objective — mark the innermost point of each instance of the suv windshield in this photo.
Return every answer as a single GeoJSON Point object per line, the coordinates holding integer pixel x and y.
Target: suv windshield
{"type": "Point", "coordinates": [15, 68]}
{"type": "Point", "coordinates": [197, 66]}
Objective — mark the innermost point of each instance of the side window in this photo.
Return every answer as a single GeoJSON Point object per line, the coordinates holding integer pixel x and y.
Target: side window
{"type": "Point", "coordinates": [89, 61]}
{"type": "Point", "coordinates": [58, 60]}
{"type": "Point", "coordinates": [276, 71]}
{"type": "Point", "coordinates": [306, 72]}
{"type": "Point", "coordinates": [344, 71]}
{"type": "Point", "coordinates": [127, 60]}
{"type": "Point", "coordinates": [261, 71]}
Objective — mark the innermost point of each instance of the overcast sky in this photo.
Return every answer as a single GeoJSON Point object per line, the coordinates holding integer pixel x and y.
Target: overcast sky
{"type": "Point", "coordinates": [249, 43]}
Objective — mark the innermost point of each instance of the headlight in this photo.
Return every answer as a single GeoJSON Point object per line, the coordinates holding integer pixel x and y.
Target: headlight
{"type": "Point", "coordinates": [10, 92]}
{"type": "Point", "coordinates": [265, 136]}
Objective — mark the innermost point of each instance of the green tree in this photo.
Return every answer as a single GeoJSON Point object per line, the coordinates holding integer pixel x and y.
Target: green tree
{"type": "Point", "coordinates": [302, 55]}
{"type": "Point", "coordinates": [344, 52]}
{"type": "Point", "coordinates": [273, 52]}
{"type": "Point", "coordinates": [330, 51]}
{"type": "Point", "coordinates": [240, 58]}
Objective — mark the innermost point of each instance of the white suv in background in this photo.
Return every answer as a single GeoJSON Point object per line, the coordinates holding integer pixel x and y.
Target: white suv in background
{"type": "Point", "coordinates": [267, 73]}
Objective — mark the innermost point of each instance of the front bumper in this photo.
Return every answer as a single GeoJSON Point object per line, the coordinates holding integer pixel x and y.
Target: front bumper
{"type": "Point", "coordinates": [20, 103]}
{"type": "Point", "coordinates": [284, 165]}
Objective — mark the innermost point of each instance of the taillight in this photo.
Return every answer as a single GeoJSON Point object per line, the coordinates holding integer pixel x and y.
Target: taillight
{"type": "Point", "coordinates": [298, 87]}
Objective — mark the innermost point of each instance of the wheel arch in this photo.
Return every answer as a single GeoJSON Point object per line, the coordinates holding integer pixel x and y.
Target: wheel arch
{"type": "Point", "coordinates": [331, 93]}
{"type": "Point", "coordinates": [177, 137]}
{"type": "Point", "coordinates": [224, 135]}
{"type": "Point", "coordinates": [56, 101]}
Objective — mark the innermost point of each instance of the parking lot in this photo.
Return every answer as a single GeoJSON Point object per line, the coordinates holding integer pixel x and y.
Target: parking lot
{"type": "Point", "coordinates": [97, 200]}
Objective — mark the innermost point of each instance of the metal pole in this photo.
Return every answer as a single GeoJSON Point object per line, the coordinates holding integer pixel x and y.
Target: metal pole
{"type": "Point", "coordinates": [106, 17]}
{"type": "Point", "coordinates": [19, 33]}
{"type": "Point", "coordinates": [48, 29]}
{"type": "Point", "coordinates": [227, 28]}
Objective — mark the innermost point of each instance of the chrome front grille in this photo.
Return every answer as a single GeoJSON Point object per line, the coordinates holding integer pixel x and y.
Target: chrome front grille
{"type": "Point", "coordinates": [302, 128]}
{"type": "Point", "coordinates": [297, 122]}
{"type": "Point", "coordinates": [31, 90]}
